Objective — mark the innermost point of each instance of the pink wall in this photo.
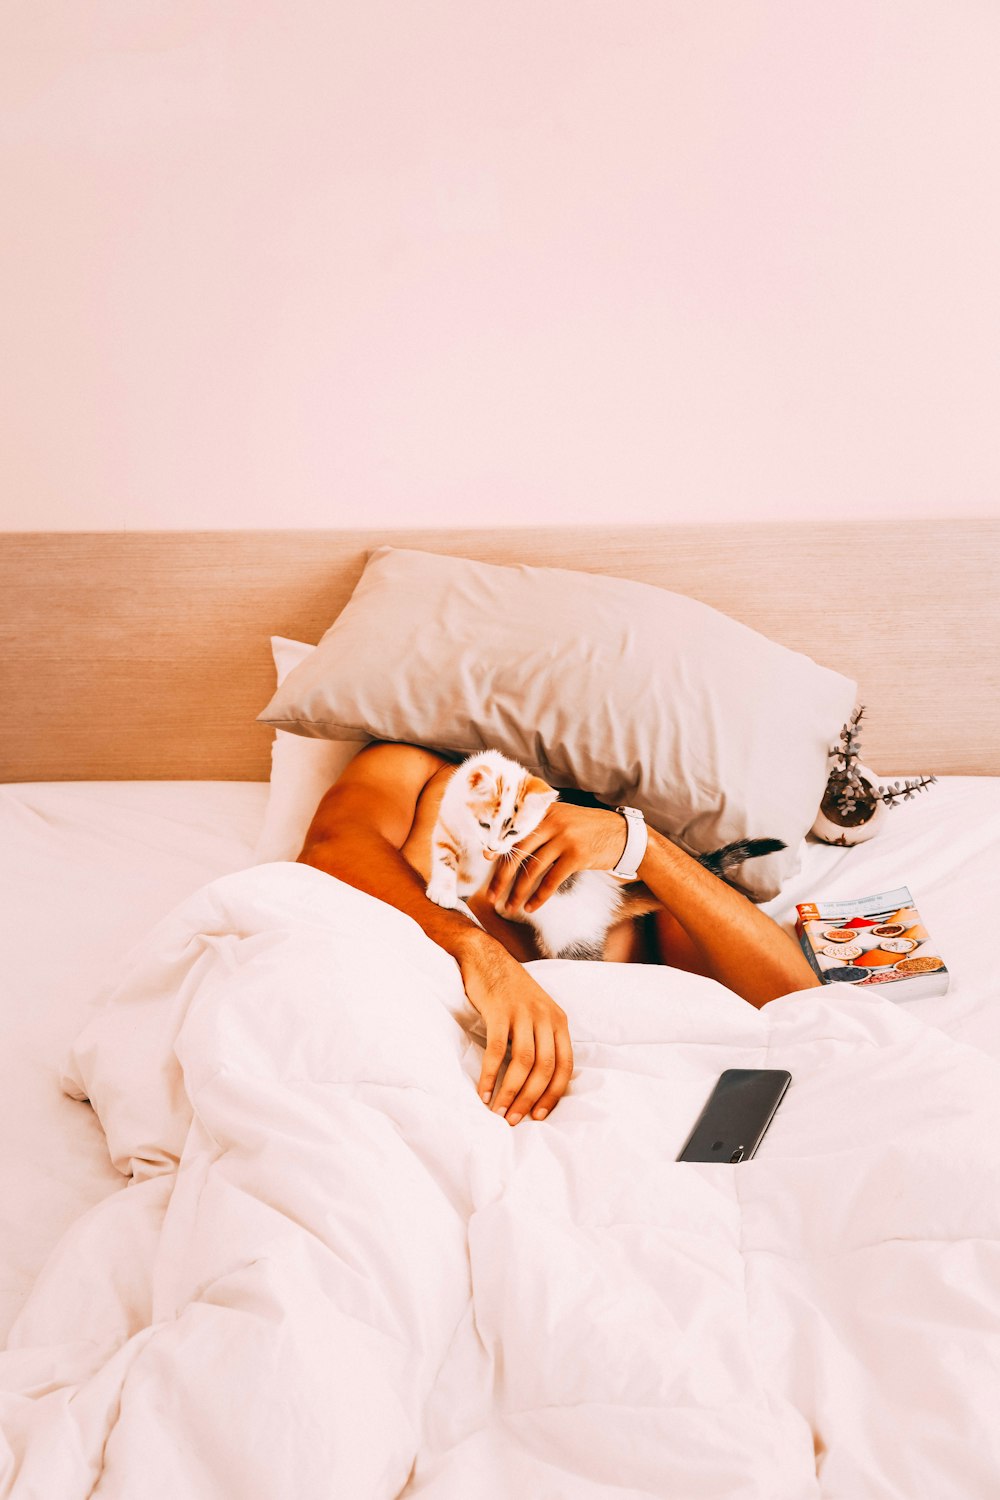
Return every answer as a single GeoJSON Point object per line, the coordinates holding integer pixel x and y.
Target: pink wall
{"type": "Point", "coordinates": [318, 264]}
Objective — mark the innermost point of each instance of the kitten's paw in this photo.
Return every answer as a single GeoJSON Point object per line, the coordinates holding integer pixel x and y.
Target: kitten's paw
{"type": "Point", "coordinates": [443, 895]}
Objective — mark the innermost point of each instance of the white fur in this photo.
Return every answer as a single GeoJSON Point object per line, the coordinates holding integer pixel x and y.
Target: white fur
{"type": "Point", "coordinates": [582, 915]}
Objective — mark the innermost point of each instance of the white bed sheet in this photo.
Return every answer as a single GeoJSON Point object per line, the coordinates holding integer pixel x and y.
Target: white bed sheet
{"type": "Point", "coordinates": [942, 845]}
{"type": "Point", "coordinates": [96, 863]}
{"type": "Point", "coordinates": [99, 863]}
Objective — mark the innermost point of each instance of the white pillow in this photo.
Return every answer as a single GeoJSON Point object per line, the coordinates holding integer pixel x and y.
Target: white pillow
{"type": "Point", "coordinates": [301, 771]}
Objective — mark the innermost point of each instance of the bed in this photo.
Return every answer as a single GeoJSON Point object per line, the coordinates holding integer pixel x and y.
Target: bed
{"type": "Point", "coordinates": [412, 1299]}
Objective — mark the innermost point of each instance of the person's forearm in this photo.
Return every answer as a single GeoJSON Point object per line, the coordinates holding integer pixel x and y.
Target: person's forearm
{"type": "Point", "coordinates": [739, 945]}
{"type": "Point", "coordinates": [372, 864]}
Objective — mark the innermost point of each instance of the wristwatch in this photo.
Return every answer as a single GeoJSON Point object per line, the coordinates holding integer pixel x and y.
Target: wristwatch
{"type": "Point", "coordinates": [627, 867]}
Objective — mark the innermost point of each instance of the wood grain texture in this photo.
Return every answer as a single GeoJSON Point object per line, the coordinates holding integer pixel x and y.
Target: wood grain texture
{"type": "Point", "coordinates": [146, 654]}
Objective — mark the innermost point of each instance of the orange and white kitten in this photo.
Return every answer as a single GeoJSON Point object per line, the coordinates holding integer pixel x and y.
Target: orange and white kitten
{"type": "Point", "coordinates": [489, 804]}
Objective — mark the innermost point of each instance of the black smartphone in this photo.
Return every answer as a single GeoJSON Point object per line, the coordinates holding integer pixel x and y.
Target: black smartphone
{"type": "Point", "coordinates": [739, 1110]}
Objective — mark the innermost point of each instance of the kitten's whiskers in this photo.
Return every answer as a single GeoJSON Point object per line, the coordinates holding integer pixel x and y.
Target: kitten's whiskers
{"type": "Point", "coordinates": [520, 858]}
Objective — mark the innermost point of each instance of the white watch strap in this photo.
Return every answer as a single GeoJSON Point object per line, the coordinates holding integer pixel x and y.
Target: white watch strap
{"type": "Point", "coordinates": [627, 867]}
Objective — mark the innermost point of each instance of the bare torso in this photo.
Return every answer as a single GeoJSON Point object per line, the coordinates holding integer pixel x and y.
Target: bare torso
{"type": "Point", "coordinates": [631, 941]}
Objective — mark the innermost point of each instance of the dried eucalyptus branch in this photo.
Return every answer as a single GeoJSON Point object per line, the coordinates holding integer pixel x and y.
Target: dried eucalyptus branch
{"type": "Point", "coordinates": [903, 791]}
{"type": "Point", "coordinates": [845, 787]}
{"type": "Point", "coordinates": [846, 791]}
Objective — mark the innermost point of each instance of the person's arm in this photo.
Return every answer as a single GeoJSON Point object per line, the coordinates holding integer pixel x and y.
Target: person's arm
{"type": "Point", "coordinates": [357, 835]}
{"type": "Point", "coordinates": [733, 941]}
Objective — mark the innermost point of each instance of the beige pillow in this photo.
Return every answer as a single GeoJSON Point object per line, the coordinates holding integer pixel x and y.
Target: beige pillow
{"type": "Point", "coordinates": [638, 695]}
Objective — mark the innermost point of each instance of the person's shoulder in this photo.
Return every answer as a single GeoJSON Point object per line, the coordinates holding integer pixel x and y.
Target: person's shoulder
{"type": "Point", "coordinates": [389, 763]}
{"type": "Point", "coordinates": [379, 788]}
{"type": "Point", "coordinates": [399, 749]}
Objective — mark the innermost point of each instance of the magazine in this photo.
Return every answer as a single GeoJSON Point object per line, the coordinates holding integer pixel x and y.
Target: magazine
{"type": "Point", "coordinates": [872, 941]}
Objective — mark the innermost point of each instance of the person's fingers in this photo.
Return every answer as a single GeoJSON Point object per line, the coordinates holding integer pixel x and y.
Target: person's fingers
{"type": "Point", "coordinates": [522, 1057]}
{"type": "Point", "coordinates": [539, 1077]}
{"type": "Point", "coordinates": [496, 1051]}
{"type": "Point", "coordinates": [504, 873]}
{"type": "Point", "coordinates": [538, 836]}
{"type": "Point", "coordinates": [562, 1073]}
{"type": "Point", "coordinates": [507, 868]}
{"type": "Point", "coordinates": [530, 876]}
{"type": "Point", "coordinates": [550, 882]}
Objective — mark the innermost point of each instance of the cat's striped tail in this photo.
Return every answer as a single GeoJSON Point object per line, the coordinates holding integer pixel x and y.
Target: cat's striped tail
{"type": "Point", "coordinates": [730, 856]}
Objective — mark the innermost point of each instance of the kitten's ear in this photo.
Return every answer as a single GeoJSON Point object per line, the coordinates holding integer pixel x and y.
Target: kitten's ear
{"type": "Point", "coordinates": [477, 776]}
{"type": "Point", "coordinates": [537, 796]}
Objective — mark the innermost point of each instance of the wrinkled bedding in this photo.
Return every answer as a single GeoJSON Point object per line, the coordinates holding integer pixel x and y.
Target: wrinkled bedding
{"type": "Point", "coordinates": [335, 1273]}
{"type": "Point", "coordinates": [86, 868]}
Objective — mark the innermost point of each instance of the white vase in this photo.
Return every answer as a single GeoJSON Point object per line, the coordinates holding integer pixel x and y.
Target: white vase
{"type": "Point", "coordinates": [831, 832]}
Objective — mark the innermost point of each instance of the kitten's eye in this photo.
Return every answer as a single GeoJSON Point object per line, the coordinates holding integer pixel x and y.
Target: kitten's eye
{"type": "Point", "coordinates": [485, 825]}
{"type": "Point", "coordinates": [513, 834]}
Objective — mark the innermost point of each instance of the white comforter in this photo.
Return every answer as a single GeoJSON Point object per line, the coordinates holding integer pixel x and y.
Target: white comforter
{"type": "Point", "coordinates": [336, 1274]}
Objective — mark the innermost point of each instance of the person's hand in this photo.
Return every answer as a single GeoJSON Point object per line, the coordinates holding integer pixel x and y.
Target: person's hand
{"type": "Point", "coordinates": [517, 1011]}
{"type": "Point", "coordinates": [568, 839]}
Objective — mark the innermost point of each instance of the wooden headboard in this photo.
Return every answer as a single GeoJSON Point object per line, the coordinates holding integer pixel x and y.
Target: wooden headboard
{"type": "Point", "coordinates": [145, 654]}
